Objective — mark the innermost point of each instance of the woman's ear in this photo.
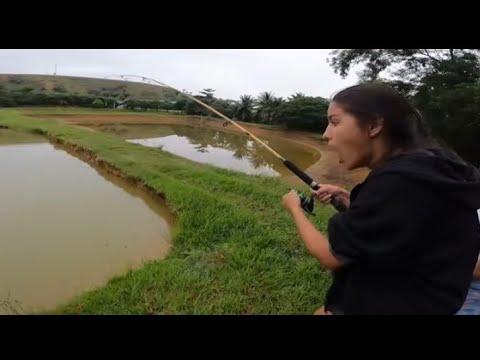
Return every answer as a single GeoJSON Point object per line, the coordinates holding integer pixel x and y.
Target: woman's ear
{"type": "Point", "coordinates": [375, 127]}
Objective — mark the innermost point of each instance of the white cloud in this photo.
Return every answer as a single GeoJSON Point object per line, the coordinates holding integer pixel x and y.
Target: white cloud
{"type": "Point", "coordinates": [230, 72]}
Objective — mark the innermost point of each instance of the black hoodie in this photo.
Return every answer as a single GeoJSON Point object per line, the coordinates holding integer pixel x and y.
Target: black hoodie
{"type": "Point", "coordinates": [410, 238]}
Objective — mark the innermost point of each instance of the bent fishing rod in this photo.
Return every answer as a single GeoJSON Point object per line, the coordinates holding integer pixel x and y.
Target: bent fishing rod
{"type": "Point", "coordinates": [306, 204]}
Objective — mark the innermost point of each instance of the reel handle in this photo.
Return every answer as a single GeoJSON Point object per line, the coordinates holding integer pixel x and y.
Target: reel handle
{"type": "Point", "coordinates": [307, 204]}
{"type": "Point", "coordinates": [337, 204]}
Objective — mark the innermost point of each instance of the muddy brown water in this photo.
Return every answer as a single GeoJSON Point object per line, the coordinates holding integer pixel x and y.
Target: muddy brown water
{"type": "Point", "coordinates": [67, 227]}
{"type": "Point", "coordinates": [206, 142]}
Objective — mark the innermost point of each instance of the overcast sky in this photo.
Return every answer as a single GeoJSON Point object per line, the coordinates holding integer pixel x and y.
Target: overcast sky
{"type": "Point", "coordinates": [230, 72]}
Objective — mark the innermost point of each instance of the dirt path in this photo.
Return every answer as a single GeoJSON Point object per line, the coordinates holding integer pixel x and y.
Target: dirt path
{"type": "Point", "coordinates": [326, 170]}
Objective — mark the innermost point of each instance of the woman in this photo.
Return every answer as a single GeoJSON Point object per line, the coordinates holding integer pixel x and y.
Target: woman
{"type": "Point", "coordinates": [410, 237]}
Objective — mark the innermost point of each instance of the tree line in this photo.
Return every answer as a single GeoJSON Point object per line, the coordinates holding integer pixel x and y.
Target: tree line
{"type": "Point", "coordinates": [298, 111]}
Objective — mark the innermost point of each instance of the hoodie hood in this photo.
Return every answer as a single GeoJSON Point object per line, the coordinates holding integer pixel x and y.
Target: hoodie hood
{"type": "Point", "coordinates": [439, 168]}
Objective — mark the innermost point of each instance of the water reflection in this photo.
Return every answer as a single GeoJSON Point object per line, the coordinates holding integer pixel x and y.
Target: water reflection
{"type": "Point", "coordinates": [227, 150]}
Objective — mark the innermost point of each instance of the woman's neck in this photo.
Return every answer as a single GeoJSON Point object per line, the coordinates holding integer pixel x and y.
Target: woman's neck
{"type": "Point", "coordinates": [383, 153]}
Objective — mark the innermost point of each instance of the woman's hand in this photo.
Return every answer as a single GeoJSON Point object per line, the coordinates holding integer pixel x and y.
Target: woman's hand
{"type": "Point", "coordinates": [326, 191]}
{"type": "Point", "coordinates": [291, 201]}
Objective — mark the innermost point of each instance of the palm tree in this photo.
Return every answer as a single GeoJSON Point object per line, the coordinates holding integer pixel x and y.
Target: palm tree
{"type": "Point", "coordinates": [296, 96]}
{"type": "Point", "coordinates": [208, 94]}
{"type": "Point", "coordinates": [245, 108]}
{"type": "Point", "coordinates": [264, 103]}
{"type": "Point", "coordinates": [275, 109]}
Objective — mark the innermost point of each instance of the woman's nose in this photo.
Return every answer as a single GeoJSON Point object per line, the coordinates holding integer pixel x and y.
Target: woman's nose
{"type": "Point", "coordinates": [326, 134]}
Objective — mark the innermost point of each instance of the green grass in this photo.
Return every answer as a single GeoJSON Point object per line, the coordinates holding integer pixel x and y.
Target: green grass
{"type": "Point", "coordinates": [8, 137]}
{"type": "Point", "coordinates": [235, 249]}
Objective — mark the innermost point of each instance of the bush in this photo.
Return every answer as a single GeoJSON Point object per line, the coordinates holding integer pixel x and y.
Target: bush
{"type": "Point", "coordinates": [97, 103]}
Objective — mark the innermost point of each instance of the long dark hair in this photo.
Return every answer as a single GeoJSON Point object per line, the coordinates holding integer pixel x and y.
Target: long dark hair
{"type": "Point", "coordinates": [404, 126]}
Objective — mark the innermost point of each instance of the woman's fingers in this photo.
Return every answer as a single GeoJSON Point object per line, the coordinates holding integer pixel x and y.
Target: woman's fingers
{"type": "Point", "coordinates": [320, 192]}
{"type": "Point", "coordinates": [325, 198]}
{"type": "Point", "coordinates": [323, 194]}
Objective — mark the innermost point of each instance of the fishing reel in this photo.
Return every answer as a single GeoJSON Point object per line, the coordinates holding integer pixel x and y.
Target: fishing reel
{"type": "Point", "coordinates": [306, 203]}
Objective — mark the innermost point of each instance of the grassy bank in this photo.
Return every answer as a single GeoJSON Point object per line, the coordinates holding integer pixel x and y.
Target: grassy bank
{"type": "Point", "coordinates": [235, 249]}
{"type": "Point", "coordinates": [73, 111]}
{"type": "Point", "coordinates": [70, 110]}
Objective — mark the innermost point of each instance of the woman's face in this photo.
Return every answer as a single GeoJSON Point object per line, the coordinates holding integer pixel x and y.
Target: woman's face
{"type": "Point", "coordinates": [352, 142]}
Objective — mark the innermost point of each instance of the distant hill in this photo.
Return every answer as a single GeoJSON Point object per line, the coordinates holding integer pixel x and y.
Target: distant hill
{"type": "Point", "coordinates": [82, 86]}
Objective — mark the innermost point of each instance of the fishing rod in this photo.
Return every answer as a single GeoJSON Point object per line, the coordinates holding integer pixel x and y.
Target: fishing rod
{"type": "Point", "coordinates": [307, 204]}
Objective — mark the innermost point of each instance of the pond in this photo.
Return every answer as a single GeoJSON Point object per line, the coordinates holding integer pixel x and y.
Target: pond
{"type": "Point", "coordinates": [67, 227]}
{"type": "Point", "coordinates": [219, 148]}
